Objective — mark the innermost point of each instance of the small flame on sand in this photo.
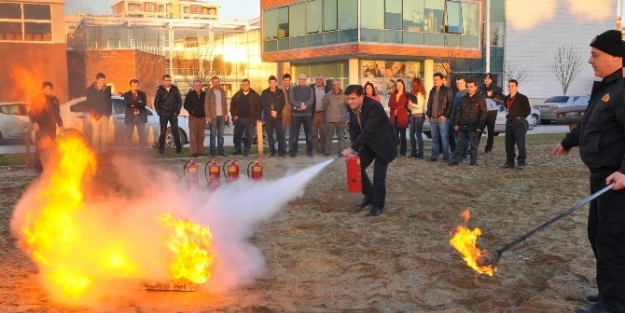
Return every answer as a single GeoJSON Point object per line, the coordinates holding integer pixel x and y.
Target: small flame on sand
{"type": "Point", "coordinates": [464, 240]}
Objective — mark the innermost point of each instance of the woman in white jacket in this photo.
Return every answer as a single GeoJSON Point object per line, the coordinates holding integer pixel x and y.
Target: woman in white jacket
{"type": "Point", "coordinates": [416, 104]}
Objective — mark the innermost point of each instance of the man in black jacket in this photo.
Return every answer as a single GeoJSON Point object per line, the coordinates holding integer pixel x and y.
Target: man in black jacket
{"type": "Point", "coordinates": [245, 111]}
{"type": "Point", "coordinates": [167, 103]}
{"type": "Point", "coordinates": [438, 111]}
{"type": "Point", "coordinates": [601, 140]}
{"type": "Point", "coordinates": [136, 114]}
{"type": "Point", "coordinates": [518, 108]}
{"type": "Point", "coordinates": [45, 115]}
{"type": "Point", "coordinates": [494, 96]}
{"type": "Point", "coordinates": [272, 101]}
{"type": "Point", "coordinates": [373, 138]}
{"type": "Point", "coordinates": [100, 106]}
{"type": "Point", "coordinates": [469, 121]}
{"type": "Point", "coordinates": [194, 104]}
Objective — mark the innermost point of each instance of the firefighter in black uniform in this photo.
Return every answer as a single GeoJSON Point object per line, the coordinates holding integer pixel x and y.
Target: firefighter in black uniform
{"type": "Point", "coordinates": [601, 140]}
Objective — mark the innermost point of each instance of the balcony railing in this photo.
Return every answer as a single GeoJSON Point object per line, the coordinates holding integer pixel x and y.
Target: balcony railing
{"type": "Point", "coordinates": [117, 45]}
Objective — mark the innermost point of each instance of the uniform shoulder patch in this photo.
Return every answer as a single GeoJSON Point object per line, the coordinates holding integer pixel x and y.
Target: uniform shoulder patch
{"type": "Point", "coordinates": [606, 97]}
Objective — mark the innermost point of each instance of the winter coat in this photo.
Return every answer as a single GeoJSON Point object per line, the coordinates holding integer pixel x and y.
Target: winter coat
{"type": "Point", "coordinates": [167, 103]}
{"type": "Point", "coordinates": [133, 104]}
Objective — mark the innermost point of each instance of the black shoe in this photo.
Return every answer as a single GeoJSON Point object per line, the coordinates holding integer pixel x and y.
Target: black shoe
{"type": "Point", "coordinates": [593, 297]}
{"type": "Point", "coordinates": [590, 309]}
{"type": "Point", "coordinates": [363, 203]}
{"type": "Point", "coordinates": [445, 160]}
{"type": "Point", "coordinates": [419, 156]}
{"type": "Point", "coordinates": [507, 165]}
{"type": "Point", "coordinates": [283, 155]}
{"type": "Point", "coordinates": [246, 153]}
{"type": "Point", "coordinates": [472, 165]}
{"type": "Point", "coordinates": [161, 151]}
{"type": "Point", "coordinates": [273, 154]}
{"type": "Point", "coordinates": [237, 152]}
{"type": "Point", "coordinates": [375, 212]}
{"type": "Point", "coordinates": [178, 150]}
{"type": "Point", "coordinates": [453, 163]}
{"type": "Point", "coordinates": [432, 159]}
{"type": "Point", "coordinates": [520, 167]}
{"type": "Point", "coordinates": [223, 154]}
{"type": "Point", "coordinates": [309, 154]}
{"type": "Point", "coordinates": [293, 155]}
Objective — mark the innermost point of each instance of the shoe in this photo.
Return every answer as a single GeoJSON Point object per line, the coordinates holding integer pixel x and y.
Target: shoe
{"type": "Point", "coordinates": [453, 163]}
{"type": "Point", "coordinates": [363, 203]}
{"type": "Point", "coordinates": [283, 155]}
{"type": "Point", "coordinates": [246, 153]}
{"type": "Point", "coordinates": [419, 156]}
{"type": "Point", "coordinates": [590, 309]}
{"type": "Point", "coordinates": [273, 154]}
{"type": "Point", "coordinates": [194, 155]}
{"type": "Point", "coordinates": [520, 167]}
{"type": "Point", "coordinates": [472, 165]}
{"type": "Point", "coordinates": [293, 155]}
{"type": "Point", "coordinates": [309, 154]}
{"type": "Point", "coordinates": [178, 150]}
{"type": "Point", "coordinates": [375, 212]}
{"type": "Point", "coordinates": [507, 165]}
{"type": "Point", "coordinates": [223, 154]}
{"type": "Point", "coordinates": [432, 159]}
{"type": "Point", "coordinates": [161, 151]}
{"type": "Point", "coordinates": [236, 152]}
{"type": "Point", "coordinates": [593, 297]}
{"type": "Point", "coordinates": [445, 160]}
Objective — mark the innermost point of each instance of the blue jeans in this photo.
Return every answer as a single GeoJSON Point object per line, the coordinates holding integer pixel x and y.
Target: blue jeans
{"type": "Point", "coordinates": [242, 125]}
{"type": "Point", "coordinates": [296, 122]}
{"type": "Point", "coordinates": [440, 131]}
{"type": "Point", "coordinates": [217, 129]}
{"type": "Point", "coordinates": [415, 134]}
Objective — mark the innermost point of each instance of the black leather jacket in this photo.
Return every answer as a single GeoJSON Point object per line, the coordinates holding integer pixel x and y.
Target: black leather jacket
{"type": "Point", "coordinates": [445, 101]}
{"type": "Point", "coordinates": [471, 113]}
{"type": "Point", "coordinates": [168, 103]}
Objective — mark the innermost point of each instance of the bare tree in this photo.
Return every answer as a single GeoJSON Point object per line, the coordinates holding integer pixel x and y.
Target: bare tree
{"type": "Point", "coordinates": [566, 65]}
{"type": "Point", "coordinates": [520, 72]}
{"type": "Point", "coordinates": [196, 62]}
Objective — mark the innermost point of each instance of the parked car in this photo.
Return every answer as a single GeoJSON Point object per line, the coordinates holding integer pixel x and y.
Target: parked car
{"type": "Point", "coordinates": [500, 122]}
{"type": "Point", "coordinates": [548, 108]}
{"type": "Point", "coordinates": [14, 120]}
{"type": "Point", "coordinates": [573, 114]}
{"type": "Point", "coordinates": [74, 115]}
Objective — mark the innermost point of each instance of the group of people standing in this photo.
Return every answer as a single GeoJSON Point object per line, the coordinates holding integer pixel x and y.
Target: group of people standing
{"type": "Point", "coordinates": [457, 118]}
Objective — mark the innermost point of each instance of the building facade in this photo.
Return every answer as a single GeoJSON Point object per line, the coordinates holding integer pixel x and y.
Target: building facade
{"type": "Point", "coordinates": [32, 48]}
{"type": "Point", "coordinates": [380, 41]}
{"type": "Point", "coordinates": [178, 9]}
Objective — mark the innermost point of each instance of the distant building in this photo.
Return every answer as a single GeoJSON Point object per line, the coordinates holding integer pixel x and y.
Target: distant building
{"type": "Point", "coordinates": [32, 48]}
{"type": "Point", "coordinates": [178, 9]}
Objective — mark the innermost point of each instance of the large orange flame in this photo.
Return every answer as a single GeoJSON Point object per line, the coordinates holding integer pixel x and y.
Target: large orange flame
{"type": "Point", "coordinates": [464, 240]}
{"type": "Point", "coordinates": [79, 247]}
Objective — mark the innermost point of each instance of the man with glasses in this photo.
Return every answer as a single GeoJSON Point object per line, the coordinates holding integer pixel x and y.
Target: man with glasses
{"type": "Point", "coordinates": [302, 100]}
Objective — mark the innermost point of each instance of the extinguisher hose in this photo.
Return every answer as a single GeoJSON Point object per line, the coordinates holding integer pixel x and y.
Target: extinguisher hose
{"type": "Point", "coordinates": [184, 168]}
{"type": "Point", "coordinates": [224, 169]}
{"type": "Point", "coordinates": [206, 172]}
{"type": "Point", "coordinates": [248, 169]}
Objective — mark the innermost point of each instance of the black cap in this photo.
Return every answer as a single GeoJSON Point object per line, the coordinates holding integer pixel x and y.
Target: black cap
{"type": "Point", "coordinates": [609, 42]}
{"type": "Point", "coordinates": [47, 84]}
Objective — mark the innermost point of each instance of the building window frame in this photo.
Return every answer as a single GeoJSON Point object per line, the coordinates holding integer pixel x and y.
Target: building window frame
{"type": "Point", "coordinates": [27, 29]}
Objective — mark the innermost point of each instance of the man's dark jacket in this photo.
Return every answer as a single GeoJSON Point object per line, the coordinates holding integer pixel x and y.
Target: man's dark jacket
{"type": "Point", "coordinates": [132, 104]}
{"type": "Point", "coordinates": [194, 103]}
{"type": "Point", "coordinates": [254, 106]}
{"type": "Point", "coordinates": [45, 111]}
{"type": "Point", "coordinates": [270, 99]}
{"type": "Point", "coordinates": [471, 113]}
{"type": "Point", "coordinates": [601, 133]}
{"type": "Point", "coordinates": [377, 132]}
{"type": "Point", "coordinates": [445, 102]}
{"type": "Point", "coordinates": [167, 103]}
{"type": "Point", "coordinates": [99, 102]}
{"type": "Point", "coordinates": [497, 92]}
{"type": "Point", "coordinates": [519, 108]}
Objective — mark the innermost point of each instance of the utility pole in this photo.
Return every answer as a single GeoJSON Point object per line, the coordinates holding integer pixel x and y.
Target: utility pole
{"type": "Point", "coordinates": [487, 31]}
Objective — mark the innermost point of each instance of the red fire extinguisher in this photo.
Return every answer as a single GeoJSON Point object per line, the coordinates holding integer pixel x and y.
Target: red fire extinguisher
{"type": "Point", "coordinates": [257, 170]}
{"type": "Point", "coordinates": [213, 177]}
{"type": "Point", "coordinates": [354, 179]}
{"type": "Point", "coordinates": [191, 173]}
{"type": "Point", "coordinates": [233, 170]}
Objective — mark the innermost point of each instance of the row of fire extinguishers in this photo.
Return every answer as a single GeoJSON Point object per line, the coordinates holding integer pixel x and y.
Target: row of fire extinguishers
{"type": "Point", "coordinates": [231, 171]}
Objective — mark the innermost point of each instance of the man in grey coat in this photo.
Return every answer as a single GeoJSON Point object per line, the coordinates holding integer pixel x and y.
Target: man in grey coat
{"type": "Point", "coordinates": [216, 110]}
{"type": "Point", "coordinates": [336, 109]}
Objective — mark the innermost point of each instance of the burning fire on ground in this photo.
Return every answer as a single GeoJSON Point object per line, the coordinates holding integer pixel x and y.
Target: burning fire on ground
{"type": "Point", "coordinates": [83, 249]}
{"type": "Point", "coordinates": [464, 240]}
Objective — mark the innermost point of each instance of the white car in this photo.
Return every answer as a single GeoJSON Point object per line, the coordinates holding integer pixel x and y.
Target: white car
{"type": "Point", "coordinates": [14, 120]}
{"type": "Point", "coordinates": [75, 116]}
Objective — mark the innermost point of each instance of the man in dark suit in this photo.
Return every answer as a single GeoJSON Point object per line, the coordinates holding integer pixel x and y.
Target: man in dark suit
{"type": "Point", "coordinates": [373, 138]}
{"type": "Point", "coordinates": [136, 114]}
{"type": "Point", "coordinates": [518, 108]}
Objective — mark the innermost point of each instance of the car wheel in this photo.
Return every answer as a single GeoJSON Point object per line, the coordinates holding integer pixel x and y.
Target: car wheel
{"type": "Point", "coordinates": [533, 121]}
{"type": "Point", "coordinates": [169, 138]}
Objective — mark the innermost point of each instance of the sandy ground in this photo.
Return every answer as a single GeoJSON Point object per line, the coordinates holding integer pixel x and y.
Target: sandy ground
{"type": "Point", "coordinates": [322, 255]}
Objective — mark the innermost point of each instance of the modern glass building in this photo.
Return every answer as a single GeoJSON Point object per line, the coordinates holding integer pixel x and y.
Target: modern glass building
{"type": "Point", "coordinates": [381, 40]}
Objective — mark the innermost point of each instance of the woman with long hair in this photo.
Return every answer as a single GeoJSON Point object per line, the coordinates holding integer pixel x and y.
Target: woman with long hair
{"type": "Point", "coordinates": [370, 92]}
{"type": "Point", "coordinates": [417, 117]}
{"type": "Point", "coordinates": [398, 102]}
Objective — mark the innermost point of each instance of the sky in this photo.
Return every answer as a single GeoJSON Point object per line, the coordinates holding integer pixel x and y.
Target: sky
{"type": "Point", "coordinates": [230, 9]}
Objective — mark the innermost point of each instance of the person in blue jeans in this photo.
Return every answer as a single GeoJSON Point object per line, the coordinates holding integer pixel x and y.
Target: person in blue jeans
{"type": "Point", "coordinates": [438, 112]}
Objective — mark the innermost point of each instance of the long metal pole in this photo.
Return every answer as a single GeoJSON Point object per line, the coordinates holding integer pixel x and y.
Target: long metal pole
{"type": "Point", "coordinates": [487, 31]}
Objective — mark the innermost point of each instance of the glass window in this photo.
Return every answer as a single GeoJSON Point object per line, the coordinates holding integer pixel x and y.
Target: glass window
{"type": "Point", "coordinates": [134, 7]}
{"type": "Point", "coordinates": [10, 10]}
{"type": "Point", "coordinates": [348, 14]}
{"type": "Point", "coordinates": [433, 18]}
{"type": "Point", "coordinates": [297, 22]}
{"type": "Point", "coordinates": [371, 35]}
{"type": "Point", "coordinates": [496, 36]}
{"type": "Point", "coordinates": [470, 19]}
{"type": "Point", "coordinates": [392, 14]}
{"type": "Point", "coordinates": [283, 22]}
{"type": "Point", "coordinates": [413, 38]}
{"type": "Point", "coordinates": [497, 11]}
{"type": "Point", "coordinates": [453, 18]}
{"type": "Point", "coordinates": [10, 31]}
{"type": "Point", "coordinates": [393, 36]}
{"type": "Point", "coordinates": [413, 15]}
{"type": "Point", "coordinates": [371, 16]}
{"type": "Point", "coordinates": [37, 12]}
{"type": "Point", "coordinates": [270, 24]}
{"type": "Point", "coordinates": [329, 15]}
{"type": "Point", "coordinates": [330, 38]}
{"type": "Point", "coordinates": [38, 31]}
{"type": "Point", "coordinates": [313, 18]}
{"type": "Point", "coordinates": [314, 40]}
{"type": "Point", "coordinates": [350, 35]}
